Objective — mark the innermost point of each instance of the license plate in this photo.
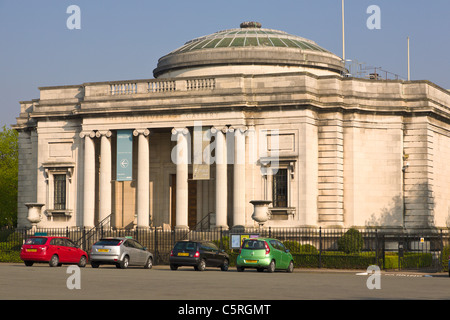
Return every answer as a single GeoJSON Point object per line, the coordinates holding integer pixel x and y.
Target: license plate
{"type": "Point", "coordinates": [103, 250]}
{"type": "Point", "coordinates": [183, 254]}
{"type": "Point", "coordinates": [31, 250]}
{"type": "Point", "coordinates": [251, 261]}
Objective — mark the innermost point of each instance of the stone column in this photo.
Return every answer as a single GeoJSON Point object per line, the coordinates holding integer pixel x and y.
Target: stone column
{"type": "Point", "coordinates": [180, 157]}
{"type": "Point", "coordinates": [221, 178]}
{"type": "Point", "coordinates": [105, 175]}
{"type": "Point", "coordinates": [239, 178]}
{"type": "Point", "coordinates": [89, 179]}
{"type": "Point", "coordinates": [143, 179]}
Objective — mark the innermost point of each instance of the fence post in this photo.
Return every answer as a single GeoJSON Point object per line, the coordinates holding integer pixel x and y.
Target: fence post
{"type": "Point", "coordinates": [376, 248]}
{"type": "Point", "coordinates": [156, 245]}
{"type": "Point", "coordinates": [320, 247]}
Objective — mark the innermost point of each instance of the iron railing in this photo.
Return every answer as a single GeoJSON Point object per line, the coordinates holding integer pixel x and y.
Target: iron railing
{"type": "Point", "coordinates": [311, 247]}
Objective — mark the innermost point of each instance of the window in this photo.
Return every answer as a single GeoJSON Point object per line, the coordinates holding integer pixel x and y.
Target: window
{"type": "Point", "coordinates": [280, 189]}
{"type": "Point", "coordinates": [58, 177]}
{"type": "Point", "coordinates": [59, 192]}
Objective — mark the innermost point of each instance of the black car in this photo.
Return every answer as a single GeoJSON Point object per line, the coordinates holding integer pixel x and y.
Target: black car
{"type": "Point", "coordinates": [199, 254]}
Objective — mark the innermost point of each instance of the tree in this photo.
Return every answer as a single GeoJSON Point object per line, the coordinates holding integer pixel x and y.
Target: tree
{"type": "Point", "coordinates": [9, 168]}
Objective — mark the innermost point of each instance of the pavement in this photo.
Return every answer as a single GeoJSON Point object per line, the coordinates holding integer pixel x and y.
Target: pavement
{"type": "Point", "coordinates": [392, 272]}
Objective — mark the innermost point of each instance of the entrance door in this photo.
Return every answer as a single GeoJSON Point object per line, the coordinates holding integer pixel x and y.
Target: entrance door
{"type": "Point", "coordinates": [192, 201]}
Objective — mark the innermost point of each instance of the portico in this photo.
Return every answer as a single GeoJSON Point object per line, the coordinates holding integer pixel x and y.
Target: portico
{"type": "Point", "coordinates": [98, 152]}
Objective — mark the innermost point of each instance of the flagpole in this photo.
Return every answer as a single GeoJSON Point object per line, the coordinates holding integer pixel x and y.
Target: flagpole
{"type": "Point", "coordinates": [409, 66]}
{"type": "Point", "coordinates": [343, 32]}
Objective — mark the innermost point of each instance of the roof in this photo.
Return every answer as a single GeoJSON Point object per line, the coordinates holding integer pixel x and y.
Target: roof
{"type": "Point", "coordinates": [249, 45]}
{"type": "Point", "coordinates": [252, 36]}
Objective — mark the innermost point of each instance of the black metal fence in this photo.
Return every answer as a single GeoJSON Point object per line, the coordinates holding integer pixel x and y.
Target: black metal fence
{"type": "Point", "coordinates": [310, 247]}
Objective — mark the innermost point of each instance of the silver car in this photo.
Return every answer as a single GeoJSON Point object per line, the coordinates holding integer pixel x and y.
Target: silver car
{"type": "Point", "coordinates": [120, 251]}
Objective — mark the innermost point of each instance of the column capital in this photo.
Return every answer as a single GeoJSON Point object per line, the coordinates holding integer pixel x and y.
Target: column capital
{"type": "Point", "coordinates": [223, 129]}
{"type": "Point", "coordinates": [145, 132]}
{"type": "Point", "coordinates": [179, 130]}
{"type": "Point", "coordinates": [106, 133]}
{"type": "Point", "coordinates": [87, 133]}
{"type": "Point", "coordinates": [242, 129]}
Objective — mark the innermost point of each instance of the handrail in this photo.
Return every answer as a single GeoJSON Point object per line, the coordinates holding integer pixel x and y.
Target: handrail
{"type": "Point", "coordinates": [200, 223]}
{"type": "Point", "coordinates": [87, 236]}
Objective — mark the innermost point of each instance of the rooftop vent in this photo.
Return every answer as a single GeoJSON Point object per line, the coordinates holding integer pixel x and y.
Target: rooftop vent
{"type": "Point", "coordinates": [250, 24]}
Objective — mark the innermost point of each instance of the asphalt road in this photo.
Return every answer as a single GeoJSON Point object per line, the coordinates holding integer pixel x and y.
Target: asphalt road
{"type": "Point", "coordinates": [40, 282]}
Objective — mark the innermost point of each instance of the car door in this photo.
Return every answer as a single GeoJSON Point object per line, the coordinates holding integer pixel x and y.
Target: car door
{"type": "Point", "coordinates": [276, 253]}
{"type": "Point", "coordinates": [133, 252]}
{"type": "Point", "coordinates": [206, 253]}
{"type": "Point", "coordinates": [217, 258]}
{"type": "Point", "coordinates": [141, 252]}
{"type": "Point", "coordinates": [284, 256]}
{"type": "Point", "coordinates": [61, 250]}
{"type": "Point", "coordinates": [73, 255]}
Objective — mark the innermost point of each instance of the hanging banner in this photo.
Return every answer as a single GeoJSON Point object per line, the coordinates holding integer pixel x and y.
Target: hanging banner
{"type": "Point", "coordinates": [124, 155]}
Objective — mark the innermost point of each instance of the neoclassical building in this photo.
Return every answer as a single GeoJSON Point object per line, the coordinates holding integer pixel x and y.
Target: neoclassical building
{"type": "Point", "coordinates": [230, 118]}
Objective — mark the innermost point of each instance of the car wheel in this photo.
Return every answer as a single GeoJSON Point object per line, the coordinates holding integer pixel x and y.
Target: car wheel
{"type": "Point", "coordinates": [94, 264]}
{"type": "Point", "coordinates": [271, 266]}
{"type": "Point", "coordinates": [201, 265]}
{"type": "Point", "coordinates": [290, 269]}
{"type": "Point", "coordinates": [149, 263]}
{"type": "Point", "coordinates": [173, 267]}
{"type": "Point", "coordinates": [82, 262]}
{"type": "Point", "coordinates": [124, 263]}
{"type": "Point", "coordinates": [54, 261]}
{"type": "Point", "coordinates": [225, 265]}
{"type": "Point", "coordinates": [28, 263]}
{"type": "Point", "coordinates": [240, 269]}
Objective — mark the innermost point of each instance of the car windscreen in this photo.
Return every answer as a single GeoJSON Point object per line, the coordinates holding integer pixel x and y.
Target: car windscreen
{"type": "Point", "coordinates": [108, 242]}
{"type": "Point", "coordinates": [186, 246]}
{"type": "Point", "coordinates": [36, 241]}
{"type": "Point", "coordinates": [253, 244]}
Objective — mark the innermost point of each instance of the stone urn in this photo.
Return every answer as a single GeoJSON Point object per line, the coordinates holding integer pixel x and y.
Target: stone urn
{"type": "Point", "coordinates": [260, 211]}
{"type": "Point", "coordinates": [34, 213]}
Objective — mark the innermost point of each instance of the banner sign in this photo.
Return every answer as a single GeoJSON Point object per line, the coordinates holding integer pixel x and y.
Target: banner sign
{"type": "Point", "coordinates": [124, 155]}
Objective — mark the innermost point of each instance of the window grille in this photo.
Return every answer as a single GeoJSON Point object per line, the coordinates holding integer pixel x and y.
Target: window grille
{"type": "Point", "coordinates": [59, 191]}
{"type": "Point", "coordinates": [280, 189]}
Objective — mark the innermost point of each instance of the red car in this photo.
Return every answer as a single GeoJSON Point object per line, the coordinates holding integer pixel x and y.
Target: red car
{"type": "Point", "coordinates": [54, 250]}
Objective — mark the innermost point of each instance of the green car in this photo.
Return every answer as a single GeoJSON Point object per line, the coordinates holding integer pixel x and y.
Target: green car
{"type": "Point", "coordinates": [264, 253]}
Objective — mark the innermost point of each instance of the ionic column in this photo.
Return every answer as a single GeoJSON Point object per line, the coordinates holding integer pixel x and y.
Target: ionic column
{"type": "Point", "coordinates": [239, 177]}
{"type": "Point", "coordinates": [89, 179]}
{"type": "Point", "coordinates": [180, 157]}
{"type": "Point", "coordinates": [143, 179]}
{"type": "Point", "coordinates": [221, 178]}
{"type": "Point", "coordinates": [105, 175]}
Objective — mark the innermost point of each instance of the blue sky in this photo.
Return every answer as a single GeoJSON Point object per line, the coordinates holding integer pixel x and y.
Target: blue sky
{"type": "Point", "coordinates": [121, 40]}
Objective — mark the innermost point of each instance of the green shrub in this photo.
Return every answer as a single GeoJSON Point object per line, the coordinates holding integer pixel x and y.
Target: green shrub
{"type": "Point", "coordinates": [225, 243]}
{"type": "Point", "coordinates": [351, 242]}
{"type": "Point", "coordinates": [444, 258]}
{"type": "Point", "coordinates": [296, 247]}
{"type": "Point", "coordinates": [10, 256]}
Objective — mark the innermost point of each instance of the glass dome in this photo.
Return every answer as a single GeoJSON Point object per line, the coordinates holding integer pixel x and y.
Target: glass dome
{"type": "Point", "coordinates": [247, 47]}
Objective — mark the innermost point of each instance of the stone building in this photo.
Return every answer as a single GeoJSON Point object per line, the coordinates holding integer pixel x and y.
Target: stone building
{"type": "Point", "coordinates": [229, 118]}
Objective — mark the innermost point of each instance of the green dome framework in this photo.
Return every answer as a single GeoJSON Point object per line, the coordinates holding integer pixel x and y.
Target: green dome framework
{"type": "Point", "coordinates": [249, 45]}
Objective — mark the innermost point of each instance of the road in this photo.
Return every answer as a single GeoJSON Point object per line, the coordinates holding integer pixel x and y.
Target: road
{"type": "Point", "coordinates": [40, 282]}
